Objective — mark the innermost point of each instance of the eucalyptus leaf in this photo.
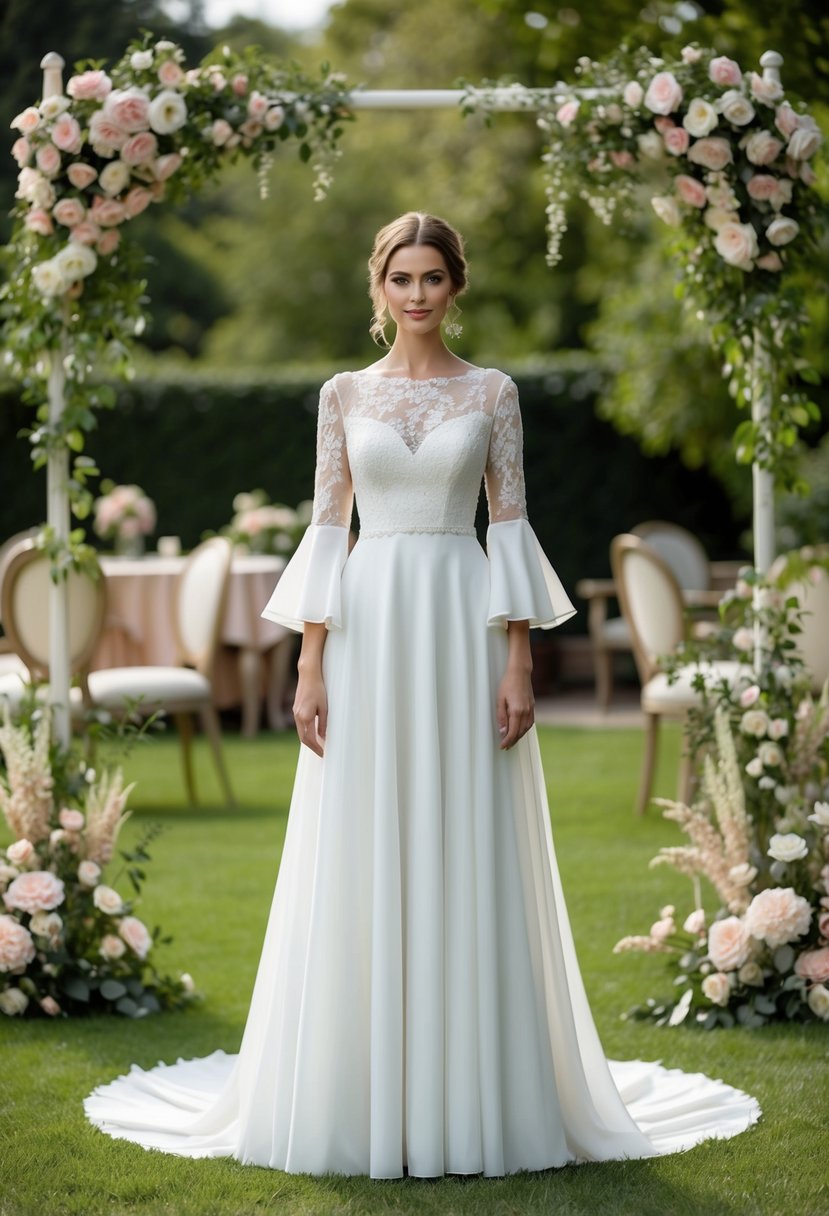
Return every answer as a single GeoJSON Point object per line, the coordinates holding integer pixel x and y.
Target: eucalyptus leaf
{"type": "Point", "coordinates": [112, 990]}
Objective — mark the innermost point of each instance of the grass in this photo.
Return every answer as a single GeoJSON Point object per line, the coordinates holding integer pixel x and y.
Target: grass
{"type": "Point", "coordinates": [210, 884]}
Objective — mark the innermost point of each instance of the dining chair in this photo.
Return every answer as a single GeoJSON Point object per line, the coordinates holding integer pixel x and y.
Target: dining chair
{"type": "Point", "coordinates": [686, 557]}
{"type": "Point", "coordinates": [10, 663]}
{"type": "Point", "coordinates": [813, 641]}
{"type": "Point", "coordinates": [184, 689]}
{"type": "Point", "coordinates": [652, 606]}
{"type": "Point", "coordinates": [24, 604]}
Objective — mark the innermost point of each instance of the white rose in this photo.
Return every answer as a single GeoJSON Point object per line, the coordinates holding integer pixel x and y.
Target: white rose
{"type": "Point", "coordinates": [818, 1001]}
{"type": "Point", "coordinates": [751, 973]}
{"type": "Point", "coordinates": [761, 148]}
{"type": "Point", "coordinates": [742, 875]}
{"type": "Point", "coordinates": [737, 245]}
{"type": "Point", "coordinates": [106, 900]}
{"type": "Point", "coordinates": [20, 852]}
{"type": "Point", "coordinates": [804, 142]}
{"type": "Point", "coordinates": [88, 873]}
{"type": "Point", "coordinates": [784, 794]}
{"type": "Point", "coordinates": [633, 94]}
{"type": "Point", "coordinates": [651, 145]}
{"type": "Point", "coordinates": [667, 209]}
{"type": "Point", "coordinates": [46, 924]}
{"type": "Point", "coordinates": [770, 755]}
{"type": "Point", "coordinates": [790, 847]}
{"type": "Point", "coordinates": [694, 921]}
{"type": "Point", "coordinates": [782, 230]}
{"type": "Point", "coordinates": [778, 728]}
{"type": "Point", "coordinates": [187, 982]}
{"type": "Point", "coordinates": [820, 814]}
{"type": "Point", "coordinates": [716, 988]}
{"type": "Point", "coordinates": [51, 107]}
{"type": "Point", "coordinates": [743, 638]}
{"type": "Point", "coordinates": [756, 721]}
{"type": "Point", "coordinates": [700, 118]}
{"type": "Point", "coordinates": [13, 1001]}
{"type": "Point", "coordinates": [76, 261]}
{"type": "Point", "coordinates": [141, 60]}
{"type": "Point", "coordinates": [112, 947]}
{"type": "Point", "coordinates": [114, 177]}
{"type": "Point", "coordinates": [168, 112]}
{"type": "Point", "coordinates": [735, 108]}
{"type": "Point", "coordinates": [48, 278]}
{"type": "Point", "coordinates": [754, 768]}
{"type": "Point", "coordinates": [716, 218]}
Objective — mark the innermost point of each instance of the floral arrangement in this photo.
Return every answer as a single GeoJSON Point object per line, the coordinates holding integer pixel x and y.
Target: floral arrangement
{"type": "Point", "coordinates": [69, 942]}
{"type": "Point", "coordinates": [97, 155]}
{"type": "Point", "coordinates": [727, 162]}
{"type": "Point", "coordinates": [759, 833]}
{"type": "Point", "coordinates": [124, 515]}
{"type": "Point", "coordinates": [261, 526]}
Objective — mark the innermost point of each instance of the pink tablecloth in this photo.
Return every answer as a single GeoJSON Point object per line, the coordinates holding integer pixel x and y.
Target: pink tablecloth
{"type": "Point", "coordinates": [139, 628]}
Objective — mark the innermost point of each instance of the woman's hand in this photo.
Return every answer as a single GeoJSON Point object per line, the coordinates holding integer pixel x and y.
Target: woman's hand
{"type": "Point", "coordinates": [515, 707]}
{"type": "Point", "coordinates": [311, 700]}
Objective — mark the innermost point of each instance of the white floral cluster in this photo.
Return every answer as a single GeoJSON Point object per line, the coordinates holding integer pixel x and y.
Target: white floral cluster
{"type": "Point", "coordinates": [124, 513]}
{"type": "Point", "coordinates": [98, 156]}
{"type": "Point", "coordinates": [261, 526]}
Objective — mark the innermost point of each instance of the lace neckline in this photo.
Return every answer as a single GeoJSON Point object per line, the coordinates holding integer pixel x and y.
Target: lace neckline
{"type": "Point", "coordinates": [365, 371]}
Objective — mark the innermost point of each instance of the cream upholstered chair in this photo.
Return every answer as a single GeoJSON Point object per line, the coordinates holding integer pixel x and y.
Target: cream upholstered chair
{"type": "Point", "coordinates": [25, 610]}
{"type": "Point", "coordinates": [10, 663]}
{"type": "Point", "coordinates": [652, 605]}
{"type": "Point", "coordinates": [185, 689]}
{"type": "Point", "coordinates": [689, 562]}
{"type": "Point", "coordinates": [813, 642]}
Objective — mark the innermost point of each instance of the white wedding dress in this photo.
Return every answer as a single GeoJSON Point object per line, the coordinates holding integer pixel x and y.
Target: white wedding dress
{"type": "Point", "coordinates": [418, 1005]}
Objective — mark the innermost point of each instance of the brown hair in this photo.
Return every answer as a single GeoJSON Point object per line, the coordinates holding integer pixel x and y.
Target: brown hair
{"type": "Point", "coordinates": [413, 228]}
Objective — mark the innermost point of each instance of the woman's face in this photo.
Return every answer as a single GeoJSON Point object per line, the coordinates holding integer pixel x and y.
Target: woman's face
{"type": "Point", "coordinates": [418, 288]}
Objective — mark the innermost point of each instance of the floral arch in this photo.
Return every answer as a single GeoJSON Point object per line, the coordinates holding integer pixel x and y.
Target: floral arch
{"type": "Point", "coordinates": [734, 159]}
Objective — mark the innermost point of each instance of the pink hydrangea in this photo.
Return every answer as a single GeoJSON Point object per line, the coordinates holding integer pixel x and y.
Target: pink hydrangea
{"type": "Point", "coordinates": [35, 891]}
{"type": "Point", "coordinates": [777, 916]}
{"type": "Point", "coordinates": [17, 949]}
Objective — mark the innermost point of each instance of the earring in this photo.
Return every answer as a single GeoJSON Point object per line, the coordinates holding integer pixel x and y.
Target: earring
{"type": "Point", "coordinates": [451, 324]}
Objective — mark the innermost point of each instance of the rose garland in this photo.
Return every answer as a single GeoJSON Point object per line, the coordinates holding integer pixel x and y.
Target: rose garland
{"type": "Point", "coordinates": [737, 157]}
{"type": "Point", "coordinates": [91, 160]}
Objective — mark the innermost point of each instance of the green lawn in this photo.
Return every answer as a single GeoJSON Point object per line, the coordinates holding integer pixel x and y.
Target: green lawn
{"type": "Point", "coordinates": [210, 884]}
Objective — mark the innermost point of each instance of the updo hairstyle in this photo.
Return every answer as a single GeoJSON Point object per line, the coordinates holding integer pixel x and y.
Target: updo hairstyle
{"type": "Point", "coordinates": [413, 228]}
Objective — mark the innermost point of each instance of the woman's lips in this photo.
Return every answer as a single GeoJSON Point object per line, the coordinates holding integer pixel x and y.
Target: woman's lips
{"type": "Point", "coordinates": [417, 313]}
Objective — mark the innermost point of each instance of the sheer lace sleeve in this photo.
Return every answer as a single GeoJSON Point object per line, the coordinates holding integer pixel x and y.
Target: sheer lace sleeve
{"type": "Point", "coordinates": [504, 475]}
{"type": "Point", "coordinates": [309, 587]}
{"type": "Point", "coordinates": [333, 494]}
{"type": "Point", "coordinates": [523, 586]}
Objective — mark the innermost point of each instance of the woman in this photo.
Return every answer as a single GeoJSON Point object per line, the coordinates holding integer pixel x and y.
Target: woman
{"type": "Point", "coordinates": [418, 1006]}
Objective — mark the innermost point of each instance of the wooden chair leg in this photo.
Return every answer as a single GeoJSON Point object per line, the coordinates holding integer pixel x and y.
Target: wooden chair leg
{"type": "Point", "coordinates": [648, 762]}
{"type": "Point", "coordinates": [184, 726]}
{"type": "Point", "coordinates": [213, 730]}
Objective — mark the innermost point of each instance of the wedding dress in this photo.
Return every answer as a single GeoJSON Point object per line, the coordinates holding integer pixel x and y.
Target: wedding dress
{"type": "Point", "coordinates": [418, 1005]}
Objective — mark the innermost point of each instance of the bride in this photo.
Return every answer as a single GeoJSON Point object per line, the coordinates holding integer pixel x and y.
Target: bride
{"type": "Point", "coordinates": [418, 1006]}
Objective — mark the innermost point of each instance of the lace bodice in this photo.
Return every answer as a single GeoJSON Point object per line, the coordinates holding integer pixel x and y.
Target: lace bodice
{"type": "Point", "coordinates": [414, 451]}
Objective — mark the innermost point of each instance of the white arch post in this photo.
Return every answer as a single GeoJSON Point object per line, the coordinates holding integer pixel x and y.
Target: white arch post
{"type": "Point", "coordinates": [499, 99]}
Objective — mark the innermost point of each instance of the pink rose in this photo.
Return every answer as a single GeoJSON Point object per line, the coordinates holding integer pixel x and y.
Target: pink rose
{"type": "Point", "coordinates": [770, 261]}
{"type": "Point", "coordinates": [88, 873]}
{"type": "Point", "coordinates": [136, 201]}
{"type": "Point", "coordinates": [109, 242]}
{"type": "Point", "coordinates": [66, 134]}
{"type": "Point", "coordinates": [762, 186]}
{"type": "Point", "coordinates": [251, 130]}
{"type": "Point", "coordinates": [69, 818]}
{"type": "Point", "coordinates": [713, 152]}
{"type": "Point", "coordinates": [728, 943]}
{"type": "Point", "coordinates": [27, 120]}
{"type": "Point", "coordinates": [813, 965]}
{"type": "Point", "coordinates": [69, 212]}
{"type": "Point", "coordinates": [762, 148]}
{"type": "Point", "coordinates": [86, 233]}
{"type": "Point", "coordinates": [690, 190]}
{"type": "Point", "coordinates": [676, 141]}
{"type": "Point", "coordinates": [81, 175]}
{"type": "Point", "coordinates": [257, 106]}
{"type": "Point", "coordinates": [170, 74]}
{"type": "Point", "coordinates": [786, 120]}
{"type": "Point", "coordinates": [105, 133]}
{"type": "Point", "coordinates": [220, 132]}
{"type": "Point", "coordinates": [112, 947]}
{"type": "Point", "coordinates": [724, 71]}
{"type": "Point", "coordinates": [737, 245]}
{"type": "Point", "coordinates": [48, 160]}
{"type": "Point", "coordinates": [804, 142]}
{"type": "Point", "coordinates": [89, 86]}
{"type": "Point", "coordinates": [664, 94]}
{"type": "Point", "coordinates": [239, 84]}
{"type": "Point", "coordinates": [17, 949]}
{"type": "Point", "coordinates": [129, 109]}
{"type": "Point", "coordinates": [166, 166]}
{"type": "Point", "coordinates": [823, 925]}
{"type": "Point", "coordinates": [22, 152]}
{"type": "Point", "coordinates": [767, 91]}
{"type": "Point", "coordinates": [750, 696]}
{"type": "Point", "coordinates": [140, 149]}
{"type": "Point", "coordinates": [21, 852]}
{"type": "Point", "coordinates": [38, 890]}
{"type": "Point", "coordinates": [107, 212]}
{"type": "Point", "coordinates": [777, 916]}
{"type": "Point", "coordinates": [136, 935]}
{"type": "Point", "coordinates": [566, 113]}
{"type": "Point", "coordinates": [274, 118]}
{"type": "Point", "coordinates": [49, 1006]}
{"type": "Point", "coordinates": [623, 159]}
{"type": "Point", "coordinates": [158, 190]}
{"type": "Point", "coordinates": [663, 125]}
{"type": "Point", "coordinates": [633, 94]}
{"type": "Point", "coordinates": [40, 221]}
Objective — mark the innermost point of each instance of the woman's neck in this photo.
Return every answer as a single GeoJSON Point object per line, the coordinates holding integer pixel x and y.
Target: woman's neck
{"type": "Point", "coordinates": [421, 358]}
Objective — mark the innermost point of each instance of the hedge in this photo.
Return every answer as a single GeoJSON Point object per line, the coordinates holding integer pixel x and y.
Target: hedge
{"type": "Point", "coordinates": [194, 440]}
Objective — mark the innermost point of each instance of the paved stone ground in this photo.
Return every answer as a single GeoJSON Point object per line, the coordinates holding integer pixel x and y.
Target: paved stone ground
{"type": "Point", "coordinates": [577, 707]}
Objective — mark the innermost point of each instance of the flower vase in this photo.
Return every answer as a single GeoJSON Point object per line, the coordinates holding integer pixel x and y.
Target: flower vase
{"type": "Point", "coordinates": [130, 546]}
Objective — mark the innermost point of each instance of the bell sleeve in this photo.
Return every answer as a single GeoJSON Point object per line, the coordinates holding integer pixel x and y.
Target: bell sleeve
{"type": "Point", "coordinates": [523, 584]}
{"type": "Point", "coordinates": [309, 586]}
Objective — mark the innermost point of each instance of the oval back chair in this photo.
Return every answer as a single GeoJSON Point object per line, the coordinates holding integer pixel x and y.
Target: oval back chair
{"type": "Point", "coordinates": [680, 549]}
